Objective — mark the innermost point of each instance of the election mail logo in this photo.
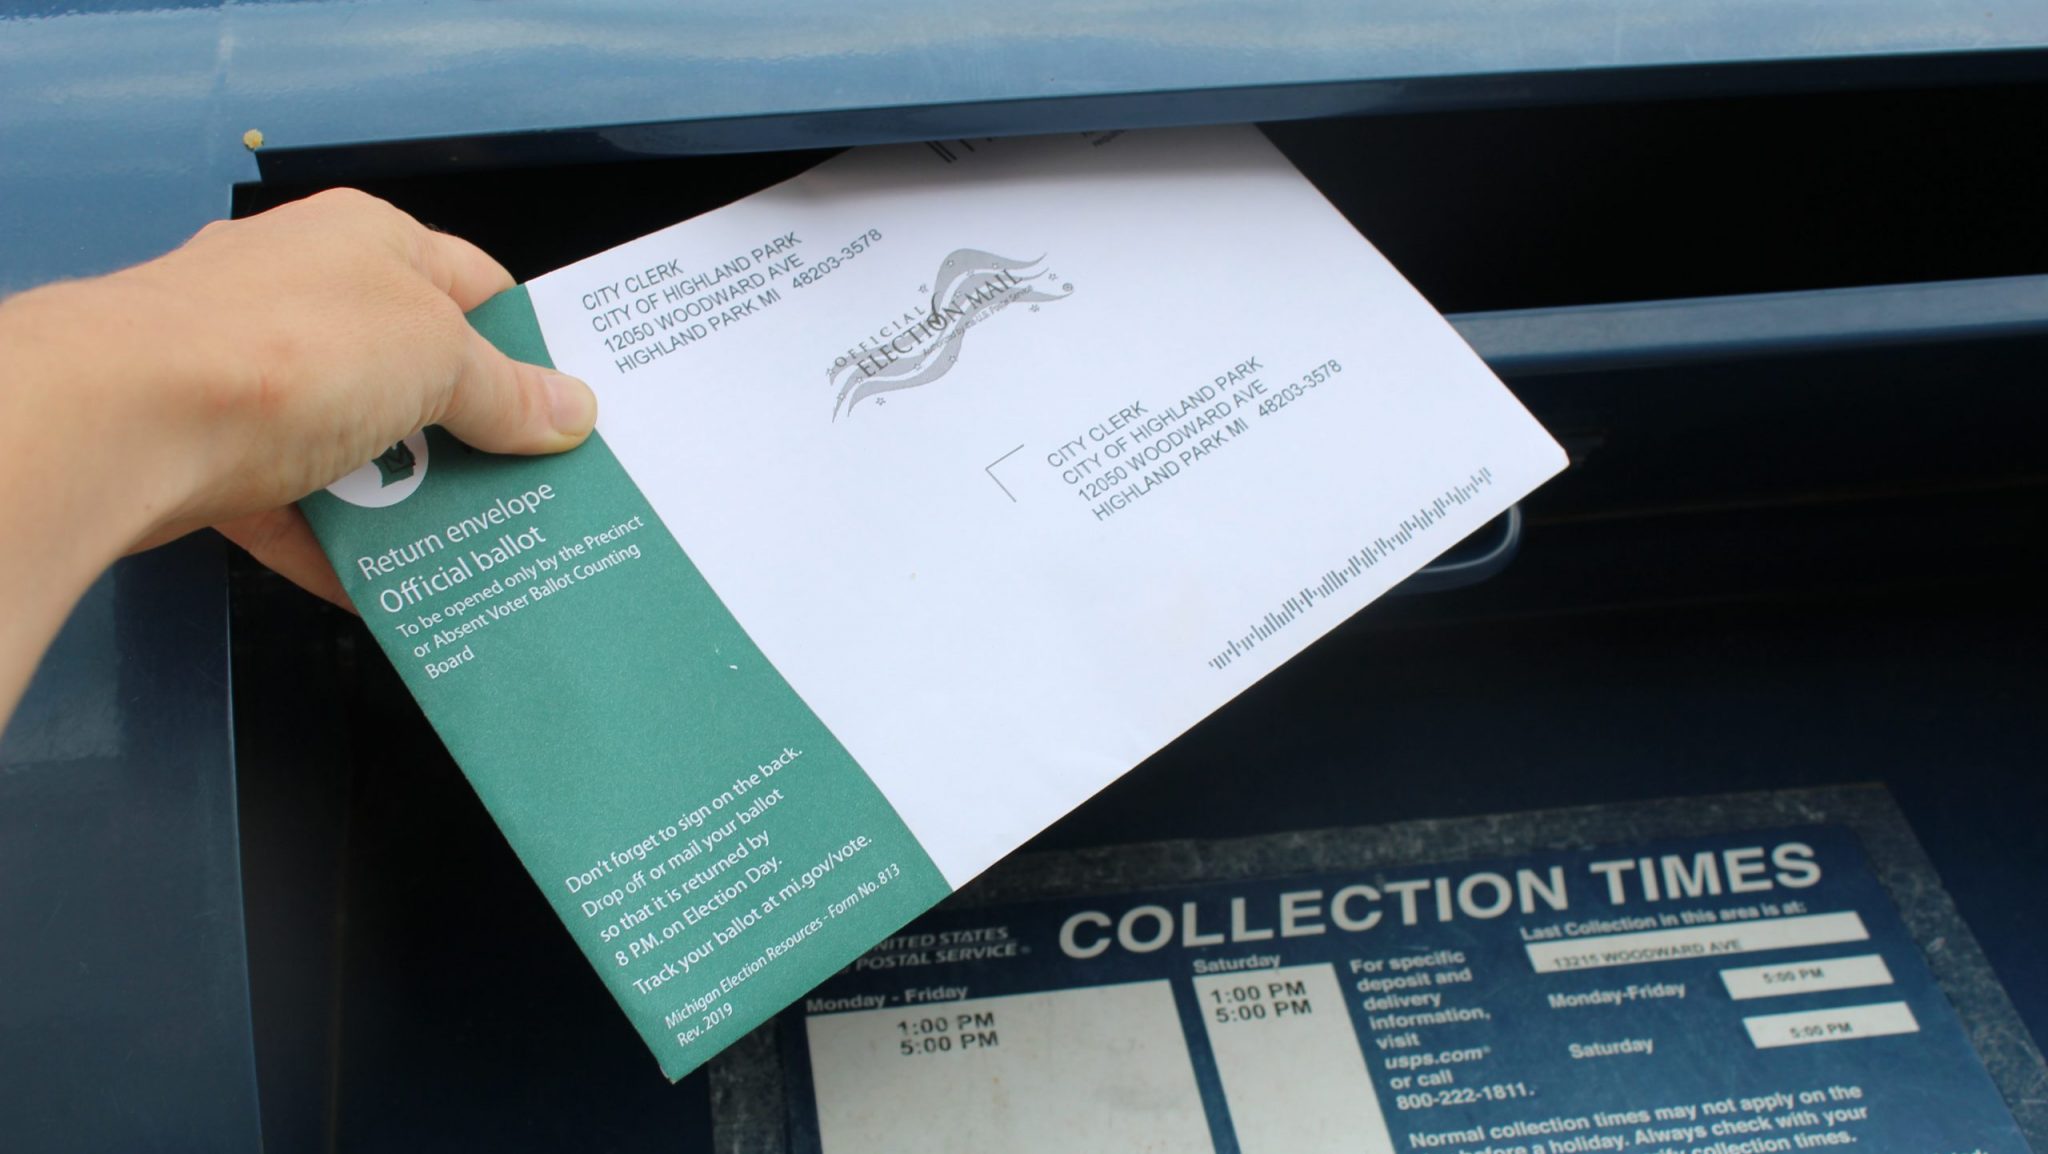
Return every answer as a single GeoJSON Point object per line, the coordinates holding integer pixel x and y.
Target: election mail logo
{"type": "Point", "coordinates": [921, 346]}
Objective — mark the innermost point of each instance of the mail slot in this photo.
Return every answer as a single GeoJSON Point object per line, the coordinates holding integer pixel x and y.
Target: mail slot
{"type": "Point", "coordinates": [1793, 343]}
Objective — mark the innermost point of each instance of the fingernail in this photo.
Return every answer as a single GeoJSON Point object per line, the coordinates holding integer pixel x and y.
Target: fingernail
{"type": "Point", "coordinates": [571, 404]}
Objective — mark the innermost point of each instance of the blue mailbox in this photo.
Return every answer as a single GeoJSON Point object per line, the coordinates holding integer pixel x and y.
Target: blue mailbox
{"type": "Point", "coordinates": [1776, 272]}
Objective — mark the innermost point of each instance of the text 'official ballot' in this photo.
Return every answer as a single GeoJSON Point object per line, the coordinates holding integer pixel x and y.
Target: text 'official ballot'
{"type": "Point", "coordinates": [934, 489]}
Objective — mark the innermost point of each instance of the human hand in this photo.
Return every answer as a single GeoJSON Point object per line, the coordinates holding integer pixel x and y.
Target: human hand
{"type": "Point", "coordinates": [268, 357]}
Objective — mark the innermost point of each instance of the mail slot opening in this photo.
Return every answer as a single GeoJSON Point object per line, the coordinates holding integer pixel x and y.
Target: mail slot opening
{"type": "Point", "coordinates": [1483, 209]}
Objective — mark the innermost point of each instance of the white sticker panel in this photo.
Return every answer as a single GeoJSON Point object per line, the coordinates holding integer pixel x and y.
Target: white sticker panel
{"type": "Point", "coordinates": [1102, 1069]}
{"type": "Point", "coordinates": [1841, 1024]}
{"type": "Point", "coordinates": [1288, 1056]}
{"type": "Point", "coordinates": [1806, 977]}
{"type": "Point", "coordinates": [1692, 943]}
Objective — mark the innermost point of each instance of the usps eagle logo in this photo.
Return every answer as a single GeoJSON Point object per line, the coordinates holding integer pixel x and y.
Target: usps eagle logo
{"type": "Point", "coordinates": [923, 345]}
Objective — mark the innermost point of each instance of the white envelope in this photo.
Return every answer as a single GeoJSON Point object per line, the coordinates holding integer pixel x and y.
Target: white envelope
{"type": "Point", "coordinates": [1019, 457]}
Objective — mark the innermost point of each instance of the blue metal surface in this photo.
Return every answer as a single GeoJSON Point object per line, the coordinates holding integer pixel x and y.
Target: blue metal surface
{"type": "Point", "coordinates": [120, 129]}
{"type": "Point", "coordinates": [123, 1003]}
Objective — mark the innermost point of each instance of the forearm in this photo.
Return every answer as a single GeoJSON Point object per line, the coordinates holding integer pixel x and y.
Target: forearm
{"type": "Point", "coordinates": [81, 481]}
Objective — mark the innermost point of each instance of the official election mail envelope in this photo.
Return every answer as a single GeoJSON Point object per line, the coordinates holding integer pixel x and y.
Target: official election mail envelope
{"type": "Point", "coordinates": [934, 489]}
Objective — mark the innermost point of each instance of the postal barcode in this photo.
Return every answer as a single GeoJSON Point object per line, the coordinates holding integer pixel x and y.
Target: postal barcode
{"type": "Point", "coordinates": [1366, 557]}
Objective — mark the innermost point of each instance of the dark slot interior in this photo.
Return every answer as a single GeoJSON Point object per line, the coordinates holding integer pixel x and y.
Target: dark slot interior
{"type": "Point", "coordinates": [1771, 572]}
{"type": "Point", "coordinates": [1491, 209]}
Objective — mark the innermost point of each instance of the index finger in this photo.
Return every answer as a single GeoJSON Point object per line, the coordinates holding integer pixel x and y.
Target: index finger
{"type": "Point", "coordinates": [465, 272]}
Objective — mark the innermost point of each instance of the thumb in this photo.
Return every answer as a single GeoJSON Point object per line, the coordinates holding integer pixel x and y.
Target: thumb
{"type": "Point", "coordinates": [501, 405]}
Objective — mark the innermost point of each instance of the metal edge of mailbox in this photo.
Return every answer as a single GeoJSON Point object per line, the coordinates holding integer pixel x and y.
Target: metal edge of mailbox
{"type": "Point", "coordinates": [376, 157]}
{"type": "Point", "coordinates": [1535, 342]}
